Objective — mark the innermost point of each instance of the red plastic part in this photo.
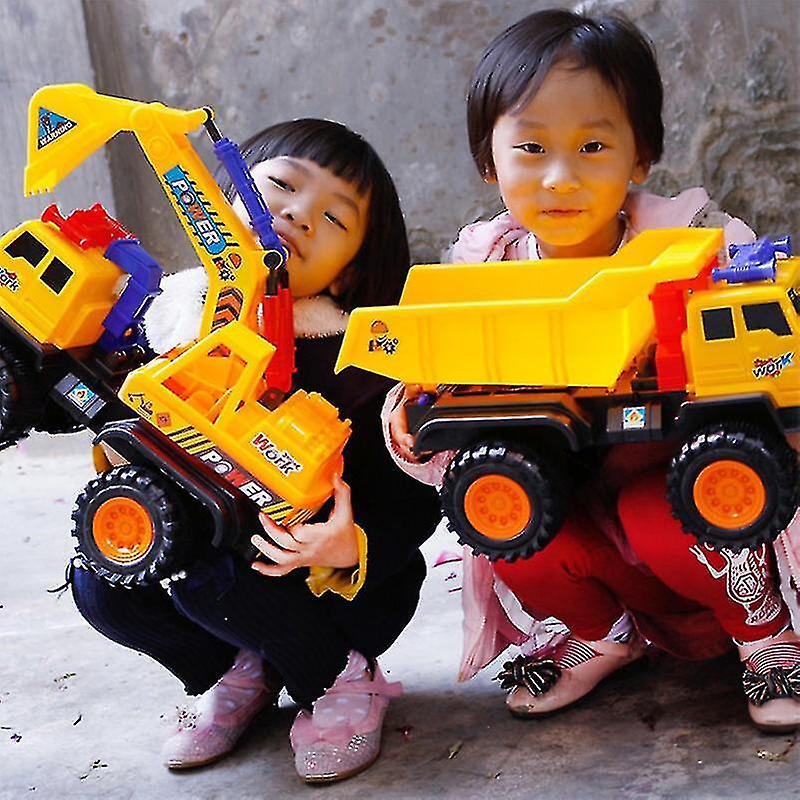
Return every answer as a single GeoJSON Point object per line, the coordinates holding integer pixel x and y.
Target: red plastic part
{"type": "Point", "coordinates": [277, 327]}
{"type": "Point", "coordinates": [92, 227]}
{"type": "Point", "coordinates": [669, 310]}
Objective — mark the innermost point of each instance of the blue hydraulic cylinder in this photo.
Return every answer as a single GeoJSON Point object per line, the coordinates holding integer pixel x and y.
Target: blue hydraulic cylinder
{"type": "Point", "coordinates": [231, 158]}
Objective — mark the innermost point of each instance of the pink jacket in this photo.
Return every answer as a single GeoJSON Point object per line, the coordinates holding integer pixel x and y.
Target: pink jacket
{"type": "Point", "coordinates": [493, 617]}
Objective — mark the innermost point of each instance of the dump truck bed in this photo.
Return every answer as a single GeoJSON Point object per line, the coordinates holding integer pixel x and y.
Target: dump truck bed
{"type": "Point", "coordinates": [552, 322]}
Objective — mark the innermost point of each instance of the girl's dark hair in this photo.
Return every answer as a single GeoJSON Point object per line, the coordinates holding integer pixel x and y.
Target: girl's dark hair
{"type": "Point", "coordinates": [515, 64]}
{"type": "Point", "coordinates": [377, 273]}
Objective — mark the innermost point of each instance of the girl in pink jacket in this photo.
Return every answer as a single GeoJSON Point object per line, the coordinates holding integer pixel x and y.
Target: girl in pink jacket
{"type": "Point", "coordinates": [564, 115]}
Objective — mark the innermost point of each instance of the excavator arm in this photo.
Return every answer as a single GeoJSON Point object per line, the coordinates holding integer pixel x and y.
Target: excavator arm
{"type": "Point", "coordinates": [69, 122]}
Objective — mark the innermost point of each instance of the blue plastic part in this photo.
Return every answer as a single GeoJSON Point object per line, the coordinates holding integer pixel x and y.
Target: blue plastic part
{"type": "Point", "coordinates": [123, 325]}
{"type": "Point", "coordinates": [231, 158]}
{"type": "Point", "coordinates": [754, 261]}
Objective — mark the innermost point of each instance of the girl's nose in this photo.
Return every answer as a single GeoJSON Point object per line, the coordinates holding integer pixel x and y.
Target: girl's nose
{"type": "Point", "coordinates": [298, 217]}
{"type": "Point", "coordinates": [560, 177]}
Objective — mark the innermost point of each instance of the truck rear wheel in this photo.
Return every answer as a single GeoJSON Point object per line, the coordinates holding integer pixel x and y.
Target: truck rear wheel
{"type": "Point", "coordinates": [20, 400]}
{"type": "Point", "coordinates": [734, 485]}
{"type": "Point", "coordinates": [502, 501]}
{"type": "Point", "coordinates": [126, 522]}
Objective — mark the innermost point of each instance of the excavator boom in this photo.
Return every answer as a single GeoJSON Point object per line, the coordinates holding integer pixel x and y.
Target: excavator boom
{"type": "Point", "coordinates": [67, 123]}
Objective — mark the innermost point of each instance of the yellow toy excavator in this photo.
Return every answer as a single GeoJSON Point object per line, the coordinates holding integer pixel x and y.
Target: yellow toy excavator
{"type": "Point", "coordinates": [217, 435]}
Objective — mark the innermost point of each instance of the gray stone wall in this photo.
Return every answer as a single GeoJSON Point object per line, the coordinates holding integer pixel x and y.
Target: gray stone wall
{"type": "Point", "coordinates": [42, 43]}
{"type": "Point", "coordinates": [397, 72]}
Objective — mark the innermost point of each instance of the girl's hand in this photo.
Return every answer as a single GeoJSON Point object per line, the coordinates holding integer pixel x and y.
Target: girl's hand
{"type": "Point", "coordinates": [398, 425]}
{"type": "Point", "coordinates": [323, 544]}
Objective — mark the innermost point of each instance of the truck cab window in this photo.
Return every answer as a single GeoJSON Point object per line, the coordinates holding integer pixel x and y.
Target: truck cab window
{"type": "Point", "coordinates": [27, 246]}
{"type": "Point", "coordinates": [56, 275]}
{"type": "Point", "coordinates": [718, 324]}
{"type": "Point", "coordinates": [766, 317]}
{"type": "Point", "coordinates": [794, 296]}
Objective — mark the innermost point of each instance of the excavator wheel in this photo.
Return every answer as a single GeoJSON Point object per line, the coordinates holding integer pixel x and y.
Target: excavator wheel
{"type": "Point", "coordinates": [127, 522]}
{"type": "Point", "coordinates": [20, 400]}
{"type": "Point", "coordinates": [502, 501]}
{"type": "Point", "coordinates": [734, 485]}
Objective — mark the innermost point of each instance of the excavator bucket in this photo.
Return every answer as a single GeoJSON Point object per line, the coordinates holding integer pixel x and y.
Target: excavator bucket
{"type": "Point", "coordinates": [68, 122]}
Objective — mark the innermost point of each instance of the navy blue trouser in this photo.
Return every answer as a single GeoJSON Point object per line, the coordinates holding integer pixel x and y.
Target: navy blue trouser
{"type": "Point", "coordinates": [223, 606]}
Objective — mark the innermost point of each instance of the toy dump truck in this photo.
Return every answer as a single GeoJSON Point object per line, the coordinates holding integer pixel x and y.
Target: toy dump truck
{"type": "Point", "coordinates": [211, 432]}
{"type": "Point", "coordinates": [531, 367]}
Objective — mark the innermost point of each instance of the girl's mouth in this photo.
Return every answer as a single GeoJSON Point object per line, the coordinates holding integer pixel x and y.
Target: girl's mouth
{"type": "Point", "coordinates": [289, 244]}
{"type": "Point", "coordinates": [563, 213]}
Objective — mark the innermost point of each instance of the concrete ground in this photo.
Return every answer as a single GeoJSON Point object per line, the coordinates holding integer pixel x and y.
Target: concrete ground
{"type": "Point", "coordinates": [81, 717]}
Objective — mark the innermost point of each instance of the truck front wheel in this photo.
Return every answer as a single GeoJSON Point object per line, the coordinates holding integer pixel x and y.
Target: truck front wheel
{"type": "Point", "coordinates": [20, 401]}
{"type": "Point", "coordinates": [502, 501]}
{"type": "Point", "coordinates": [734, 485]}
{"type": "Point", "coordinates": [126, 523]}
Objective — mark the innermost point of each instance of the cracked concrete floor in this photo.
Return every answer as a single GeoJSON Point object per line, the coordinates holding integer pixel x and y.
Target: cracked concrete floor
{"type": "Point", "coordinates": [83, 718]}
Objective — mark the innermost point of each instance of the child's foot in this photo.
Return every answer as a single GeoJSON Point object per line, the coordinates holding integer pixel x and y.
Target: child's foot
{"type": "Point", "coordinates": [772, 682]}
{"type": "Point", "coordinates": [544, 685]}
{"type": "Point", "coordinates": [343, 734]}
{"type": "Point", "coordinates": [221, 716]}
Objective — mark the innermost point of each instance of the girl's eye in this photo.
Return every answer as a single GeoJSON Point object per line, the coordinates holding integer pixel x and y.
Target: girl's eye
{"type": "Point", "coordinates": [529, 147]}
{"type": "Point", "coordinates": [281, 184]}
{"type": "Point", "coordinates": [592, 147]}
{"type": "Point", "coordinates": [335, 220]}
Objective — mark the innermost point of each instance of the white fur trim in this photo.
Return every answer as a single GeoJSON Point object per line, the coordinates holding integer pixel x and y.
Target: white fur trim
{"type": "Point", "coordinates": [318, 316]}
{"type": "Point", "coordinates": [174, 316]}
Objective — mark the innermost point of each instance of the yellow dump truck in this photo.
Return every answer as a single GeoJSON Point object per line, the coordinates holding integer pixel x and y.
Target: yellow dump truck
{"type": "Point", "coordinates": [531, 368]}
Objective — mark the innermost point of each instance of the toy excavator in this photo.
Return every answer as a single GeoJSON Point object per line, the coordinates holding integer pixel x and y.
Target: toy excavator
{"type": "Point", "coordinates": [531, 367]}
{"type": "Point", "coordinates": [211, 432]}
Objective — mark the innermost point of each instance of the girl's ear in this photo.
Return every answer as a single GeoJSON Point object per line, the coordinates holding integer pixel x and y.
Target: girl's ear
{"type": "Point", "coordinates": [640, 173]}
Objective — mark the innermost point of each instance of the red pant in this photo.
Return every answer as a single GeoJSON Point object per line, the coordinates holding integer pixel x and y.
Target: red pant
{"type": "Point", "coordinates": [582, 579]}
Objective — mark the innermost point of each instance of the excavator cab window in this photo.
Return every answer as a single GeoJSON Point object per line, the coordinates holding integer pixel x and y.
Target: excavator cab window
{"type": "Point", "coordinates": [718, 324]}
{"type": "Point", "coordinates": [27, 246]}
{"type": "Point", "coordinates": [766, 317]}
{"type": "Point", "coordinates": [56, 275]}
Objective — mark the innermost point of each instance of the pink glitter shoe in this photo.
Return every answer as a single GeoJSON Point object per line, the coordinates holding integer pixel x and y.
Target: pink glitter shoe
{"type": "Point", "coordinates": [222, 715]}
{"type": "Point", "coordinates": [343, 734]}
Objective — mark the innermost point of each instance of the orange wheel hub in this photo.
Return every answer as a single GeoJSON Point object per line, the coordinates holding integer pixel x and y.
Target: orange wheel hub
{"type": "Point", "coordinates": [729, 494]}
{"type": "Point", "coordinates": [497, 507]}
{"type": "Point", "coordinates": [122, 530]}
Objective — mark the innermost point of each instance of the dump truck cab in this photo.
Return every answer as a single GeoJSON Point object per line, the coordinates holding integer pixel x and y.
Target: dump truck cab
{"type": "Point", "coordinates": [743, 341]}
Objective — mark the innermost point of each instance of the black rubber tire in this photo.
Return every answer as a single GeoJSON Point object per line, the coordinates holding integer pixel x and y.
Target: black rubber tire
{"type": "Point", "coordinates": [769, 455]}
{"type": "Point", "coordinates": [20, 396]}
{"type": "Point", "coordinates": [539, 479]}
{"type": "Point", "coordinates": [151, 490]}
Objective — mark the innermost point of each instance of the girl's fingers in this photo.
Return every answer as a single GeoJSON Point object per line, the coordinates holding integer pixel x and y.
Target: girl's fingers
{"type": "Point", "coordinates": [275, 553]}
{"type": "Point", "coordinates": [279, 535]}
{"type": "Point", "coordinates": [271, 570]}
{"type": "Point", "coordinates": [406, 445]}
{"type": "Point", "coordinates": [342, 504]}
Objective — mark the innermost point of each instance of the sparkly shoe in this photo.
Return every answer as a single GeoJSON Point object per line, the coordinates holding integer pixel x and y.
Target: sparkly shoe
{"type": "Point", "coordinates": [343, 734]}
{"type": "Point", "coordinates": [541, 686]}
{"type": "Point", "coordinates": [222, 715]}
{"type": "Point", "coordinates": [771, 682]}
